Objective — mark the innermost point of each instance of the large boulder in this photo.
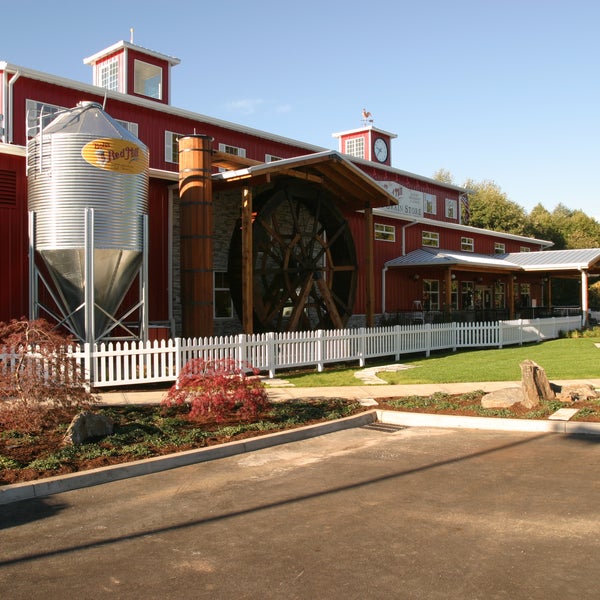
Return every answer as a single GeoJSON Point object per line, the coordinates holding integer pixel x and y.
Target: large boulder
{"type": "Point", "coordinates": [504, 398]}
{"type": "Point", "coordinates": [535, 384]}
{"type": "Point", "coordinates": [87, 425]}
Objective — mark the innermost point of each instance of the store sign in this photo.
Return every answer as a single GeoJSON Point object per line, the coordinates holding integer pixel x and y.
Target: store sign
{"type": "Point", "coordinates": [410, 202]}
{"type": "Point", "coordinates": [121, 156]}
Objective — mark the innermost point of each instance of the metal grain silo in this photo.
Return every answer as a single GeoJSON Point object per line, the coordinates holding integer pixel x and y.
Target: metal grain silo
{"type": "Point", "coordinates": [88, 194]}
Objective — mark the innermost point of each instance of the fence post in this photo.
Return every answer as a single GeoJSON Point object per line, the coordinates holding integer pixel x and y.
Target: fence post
{"type": "Point", "coordinates": [428, 338]}
{"type": "Point", "coordinates": [500, 334]}
{"type": "Point", "coordinates": [242, 358]}
{"type": "Point", "coordinates": [320, 350]}
{"type": "Point", "coordinates": [177, 357]}
{"type": "Point", "coordinates": [454, 336]}
{"type": "Point", "coordinates": [361, 346]}
{"type": "Point", "coordinates": [520, 332]}
{"type": "Point", "coordinates": [88, 364]}
{"type": "Point", "coordinates": [397, 341]}
{"type": "Point", "coordinates": [271, 358]}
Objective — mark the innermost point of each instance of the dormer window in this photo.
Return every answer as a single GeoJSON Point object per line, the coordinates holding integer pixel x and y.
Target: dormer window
{"type": "Point", "coordinates": [355, 147]}
{"type": "Point", "coordinates": [108, 74]}
{"type": "Point", "coordinates": [147, 79]}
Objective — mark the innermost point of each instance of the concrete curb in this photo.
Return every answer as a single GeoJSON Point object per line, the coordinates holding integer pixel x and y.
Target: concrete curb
{"type": "Point", "coordinates": [412, 419]}
{"type": "Point", "coordinates": [73, 481]}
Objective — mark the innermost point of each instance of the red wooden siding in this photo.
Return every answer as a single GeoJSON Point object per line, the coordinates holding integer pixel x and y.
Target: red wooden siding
{"type": "Point", "coordinates": [13, 238]}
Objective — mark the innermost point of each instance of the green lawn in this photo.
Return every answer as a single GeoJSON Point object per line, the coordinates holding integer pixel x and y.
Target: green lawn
{"type": "Point", "coordinates": [570, 358]}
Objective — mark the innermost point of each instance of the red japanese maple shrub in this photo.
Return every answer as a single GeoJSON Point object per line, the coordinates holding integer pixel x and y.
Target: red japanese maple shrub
{"type": "Point", "coordinates": [40, 381]}
{"type": "Point", "coordinates": [218, 389]}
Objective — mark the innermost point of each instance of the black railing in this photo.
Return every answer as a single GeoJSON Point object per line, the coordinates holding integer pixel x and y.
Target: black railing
{"type": "Point", "coordinates": [409, 317]}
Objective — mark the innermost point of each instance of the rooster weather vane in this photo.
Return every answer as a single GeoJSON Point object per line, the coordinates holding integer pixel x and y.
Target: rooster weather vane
{"type": "Point", "coordinates": [367, 117]}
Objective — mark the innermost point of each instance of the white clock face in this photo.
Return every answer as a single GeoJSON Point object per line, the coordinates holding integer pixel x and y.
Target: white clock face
{"type": "Point", "coordinates": [380, 149]}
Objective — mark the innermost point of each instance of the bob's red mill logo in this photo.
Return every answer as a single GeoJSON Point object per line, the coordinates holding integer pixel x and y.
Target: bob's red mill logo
{"type": "Point", "coordinates": [121, 156]}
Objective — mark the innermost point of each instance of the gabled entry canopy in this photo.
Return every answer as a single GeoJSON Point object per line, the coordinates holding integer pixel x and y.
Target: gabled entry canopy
{"type": "Point", "coordinates": [352, 188]}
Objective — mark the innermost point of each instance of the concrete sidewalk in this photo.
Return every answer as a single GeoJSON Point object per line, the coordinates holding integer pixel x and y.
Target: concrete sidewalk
{"type": "Point", "coordinates": [354, 392]}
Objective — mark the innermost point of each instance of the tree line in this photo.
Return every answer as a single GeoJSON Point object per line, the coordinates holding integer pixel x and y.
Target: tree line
{"type": "Point", "coordinates": [490, 208]}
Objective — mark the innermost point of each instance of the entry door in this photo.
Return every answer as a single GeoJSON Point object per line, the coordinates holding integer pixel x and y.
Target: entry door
{"type": "Point", "coordinates": [483, 297]}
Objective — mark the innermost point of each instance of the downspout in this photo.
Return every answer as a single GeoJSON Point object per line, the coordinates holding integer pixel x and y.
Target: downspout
{"type": "Point", "coordinates": [384, 270]}
{"type": "Point", "coordinates": [9, 108]}
{"type": "Point", "coordinates": [404, 228]}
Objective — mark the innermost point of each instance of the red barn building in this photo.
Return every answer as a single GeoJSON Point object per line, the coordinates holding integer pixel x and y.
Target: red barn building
{"type": "Point", "coordinates": [293, 236]}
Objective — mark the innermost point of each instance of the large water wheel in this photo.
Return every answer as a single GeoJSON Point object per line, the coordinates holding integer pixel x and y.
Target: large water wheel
{"type": "Point", "coordinates": [303, 258]}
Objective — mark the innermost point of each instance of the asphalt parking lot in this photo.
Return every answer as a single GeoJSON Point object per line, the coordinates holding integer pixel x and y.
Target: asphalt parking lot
{"type": "Point", "coordinates": [370, 512]}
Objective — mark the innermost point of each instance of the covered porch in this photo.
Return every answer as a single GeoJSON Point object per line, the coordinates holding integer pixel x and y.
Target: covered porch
{"type": "Point", "coordinates": [435, 285]}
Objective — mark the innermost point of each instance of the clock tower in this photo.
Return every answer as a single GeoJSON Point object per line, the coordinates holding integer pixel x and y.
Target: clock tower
{"type": "Point", "coordinates": [367, 142]}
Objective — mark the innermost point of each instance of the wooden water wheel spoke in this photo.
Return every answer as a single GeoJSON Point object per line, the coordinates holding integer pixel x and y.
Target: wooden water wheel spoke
{"type": "Point", "coordinates": [298, 309]}
{"type": "Point", "coordinates": [330, 304]}
{"type": "Point", "coordinates": [303, 259]}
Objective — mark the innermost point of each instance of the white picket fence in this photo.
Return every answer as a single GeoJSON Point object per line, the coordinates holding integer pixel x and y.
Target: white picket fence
{"type": "Point", "coordinates": [130, 363]}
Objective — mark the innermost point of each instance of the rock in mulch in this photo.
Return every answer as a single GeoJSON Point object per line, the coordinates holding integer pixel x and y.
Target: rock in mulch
{"type": "Point", "coordinates": [572, 393]}
{"type": "Point", "coordinates": [535, 384]}
{"type": "Point", "coordinates": [504, 398]}
{"type": "Point", "coordinates": [87, 425]}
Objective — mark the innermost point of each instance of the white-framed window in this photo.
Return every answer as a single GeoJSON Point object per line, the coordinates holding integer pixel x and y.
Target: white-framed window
{"type": "Point", "coordinates": [499, 248]}
{"type": "Point", "coordinates": [39, 114]}
{"type": "Point", "coordinates": [385, 233]}
{"type": "Point", "coordinates": [430, 238]}
{"type": "Point", "coordinates": [431, 294]}
{"type": "Point", "coordinates": [172, 146]}
{"type": "Point", "coordinates": [355, 147]}
{"type": "Point", "coordinates": [147, 79]}
{"type": "Point", "coordinates": [232, 150]}
{"type": "Point", "coordinates": [467, 244]}
{"type": "Point", "coordinates": [129, 125]}
{"type": "Point", "coordinates": [108, 74]}
{"type": "Point", "coordinates": [223, 306]}
{"type": "Point", "coordinates": [525, 249]}
{"type": "Point", "coordinates": [430, 203]}
{"type": "Point", "coordinates": [451, 208]}
{"type": "Point", "coordinates": [271, 158]}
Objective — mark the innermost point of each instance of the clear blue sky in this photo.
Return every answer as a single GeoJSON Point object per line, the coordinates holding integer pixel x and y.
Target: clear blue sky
{"type": "Point", "coordinates": [489, 90]}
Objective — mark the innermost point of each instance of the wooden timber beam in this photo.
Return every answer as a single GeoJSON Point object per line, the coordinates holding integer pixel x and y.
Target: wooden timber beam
{"type": "Point", "coordinates": [233, 163]}
{"type": "Point", "coordinates": [448, 285]}
{"type": "Point", "coordinates": [247, 280]}
{"type": "Point", "coordinates": [369, 273]}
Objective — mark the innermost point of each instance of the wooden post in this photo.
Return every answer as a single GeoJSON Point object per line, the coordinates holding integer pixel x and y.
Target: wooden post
{"type": "Point", "coordinates": [510, 293]}
{"type": "Point", "coordinates": [196, 218]}
{"type": "Point", "coordinates": [247, 280]}
{"type": "Point", "coordinates": [369, 274]}
{"type": "Point", "coordinates": [448, 295]}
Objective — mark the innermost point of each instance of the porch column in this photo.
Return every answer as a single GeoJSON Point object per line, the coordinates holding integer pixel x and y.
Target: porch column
{"type": "Point", "coordinates": [369, 275]}
{"type": "Point", "coordinates": [584, 296]}
{"type": "Point", "coordinates": [511, 297]}
{"type": "Point", "coordinates": [448, 286]}
{"type": "Point", "coordinates": [196, 217]}
{"type": "Point", "coordinates": [247, 280]}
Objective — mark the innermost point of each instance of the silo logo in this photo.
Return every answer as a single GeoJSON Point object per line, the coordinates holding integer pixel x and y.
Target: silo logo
{"type": "Point", "coordinates": [117, 155]}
